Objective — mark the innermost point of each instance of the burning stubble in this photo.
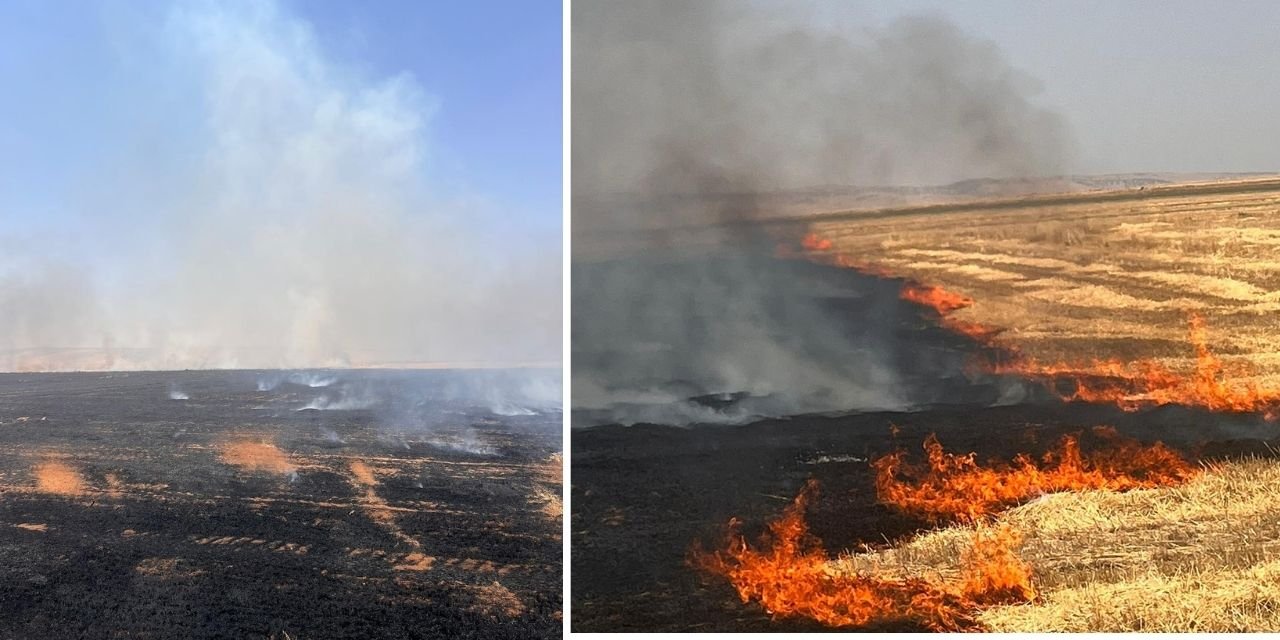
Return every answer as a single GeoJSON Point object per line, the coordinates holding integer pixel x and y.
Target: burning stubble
{"type": "Point", "coordinates": [956, 488]}
{"type": "Point", "coordinates": [1137, 384]}
{"type": "Point", "coordinates": [687, 114]}
{"type": "Point", "coordinates": [1133, 384]}
{"type": "Point", "coordinates": [789, 573]}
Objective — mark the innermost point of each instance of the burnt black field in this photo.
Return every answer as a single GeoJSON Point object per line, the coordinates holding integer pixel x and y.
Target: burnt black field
{"type": "Point", "coordinates": [643, 493]}
{"type": "Point", "coordinates": [165, 538]}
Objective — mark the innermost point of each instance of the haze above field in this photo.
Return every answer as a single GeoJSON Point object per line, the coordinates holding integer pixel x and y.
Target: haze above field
{"type": "Point", "coordinates": [1146, 85]}
{"type": "Point", "coordinates": [920, 93]}
{"type": "Point", "coordinates": [263, 184]}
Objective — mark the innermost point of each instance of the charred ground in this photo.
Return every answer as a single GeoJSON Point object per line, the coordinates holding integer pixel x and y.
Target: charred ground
{"type": "Point", "coordinates": [643, 494]}
{"type": "Point", "coordinates": [451, 533]}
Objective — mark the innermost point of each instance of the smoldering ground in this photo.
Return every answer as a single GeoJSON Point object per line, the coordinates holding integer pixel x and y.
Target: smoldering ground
{"type": "Point", "coordinates": [289, 496]}
{"type": "Point", "coordinates": [684, 114]}
{"type": "Point", "coordinates": [440, 410]}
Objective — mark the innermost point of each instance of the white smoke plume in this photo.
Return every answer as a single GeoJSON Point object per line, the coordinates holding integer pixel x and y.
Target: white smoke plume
{"type": "Point", "coordinates": [301, 229]}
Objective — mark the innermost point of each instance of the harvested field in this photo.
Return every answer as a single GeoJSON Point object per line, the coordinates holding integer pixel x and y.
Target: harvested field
{"type": "Point", "coordinates": [1096, 277]}
{"type": "Point", "coordinates": [1203, 557]}
{"type": "Point", "coordinates": [631, 546]}
{"type": "Point", "coordinates": [1123, 320]}
{"type": "Point", "coordinates": [240, 512]}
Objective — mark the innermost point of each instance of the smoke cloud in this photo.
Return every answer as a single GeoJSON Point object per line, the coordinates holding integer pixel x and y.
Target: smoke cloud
{"type": "Point", "coordinates": [674, 97]}
{"type": "Point", "coordinates": [686, 113]}
{"type": "Point", "coordinates": [292, 223]}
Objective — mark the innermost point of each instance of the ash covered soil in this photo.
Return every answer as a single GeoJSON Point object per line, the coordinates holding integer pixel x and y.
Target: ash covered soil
{"type": "Point", "coordinates": [352, 504]}
{"type": "Point", "coordinates": [643, 494]}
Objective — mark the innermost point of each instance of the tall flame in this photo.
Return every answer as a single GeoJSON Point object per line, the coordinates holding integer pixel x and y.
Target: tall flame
{"type": "Point", "coordinates": [996, 575]}
{"type": "Point", "coordinates": [788, 571]}
{"type": "Point", "coordinates": [1142, 383]}
{"type": "Point", "coordinates": [953, 487]}
{"type": "Point", "coordinates": [1131, 385]}
{"type": "Point", "coordinates": [791, 575]}
{"type": "Point", "coordinates": [943, 301]}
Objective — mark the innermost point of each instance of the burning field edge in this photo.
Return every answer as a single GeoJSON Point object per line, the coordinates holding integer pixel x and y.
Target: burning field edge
{"type": "Point", "coordinates": [1119, 536]}
{"type": "Point", "coordinates": [788, 572]}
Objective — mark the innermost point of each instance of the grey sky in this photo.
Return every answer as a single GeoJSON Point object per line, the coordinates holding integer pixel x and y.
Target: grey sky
{"type": "Point", "coordinates": [1146, 86]}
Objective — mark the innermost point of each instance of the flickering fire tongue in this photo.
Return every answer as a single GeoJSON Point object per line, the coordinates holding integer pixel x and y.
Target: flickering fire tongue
{"type": "Point", "coordinates": [941, 300]}
{"type": "Point", "coordinates": [1212, 384]}
{"type": "Point", "coordinates": [952, 487]}
{"type": "Point", "coordinates": [1131, 385]}
{"type": "Point", "coordinates": [789, 574]}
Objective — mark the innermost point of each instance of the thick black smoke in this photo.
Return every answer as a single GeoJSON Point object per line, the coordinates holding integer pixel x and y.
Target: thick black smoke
{"type": "Point", "coordinates": [686, 113]}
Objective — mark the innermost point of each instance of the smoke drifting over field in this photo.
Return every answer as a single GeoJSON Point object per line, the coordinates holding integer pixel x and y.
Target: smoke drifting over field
{"type": "Point", "coordinates": [684, 112]}
{"type": "Point", "coordinates": [700, 98]}
{"type": "Point", "coordinates": [291, 224]}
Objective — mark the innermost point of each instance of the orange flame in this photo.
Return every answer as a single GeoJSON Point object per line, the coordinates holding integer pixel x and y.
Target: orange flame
{"type": "Point", "coordinates": [861, 266]}
{"type": "Point", "coordinates": [944, 303]}
{"type": "Point", "coordinates": [1134, 385]}
{"type": "Point", "coordinates": [956, 488]}
{"type": "Point", "coordinates": [790, 575]}
{"type": "Point", "coordinates": [814, 242]}
{"type": "Point", "coordinates": [793, 577]}
{"type": "Point", "coordinates": [941, 300]}
{"type": "Point", "coordinates": [996, 574]}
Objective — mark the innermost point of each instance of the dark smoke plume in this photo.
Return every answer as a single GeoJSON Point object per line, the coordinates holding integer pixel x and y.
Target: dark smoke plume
{"type": "Point", "coordinates": [685, 113]}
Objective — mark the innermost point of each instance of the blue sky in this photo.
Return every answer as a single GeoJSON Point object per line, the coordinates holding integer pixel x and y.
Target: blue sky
{"type": "Point", "coordinates": [495, 66]}
{"type": "Point", "coordinates": [325, 182]}
{"type": "Point", "coordinates": [493, 69]}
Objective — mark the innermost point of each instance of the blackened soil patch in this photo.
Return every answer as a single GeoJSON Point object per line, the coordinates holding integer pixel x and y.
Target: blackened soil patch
{"type": "Point", "coordinates": [168, 540]}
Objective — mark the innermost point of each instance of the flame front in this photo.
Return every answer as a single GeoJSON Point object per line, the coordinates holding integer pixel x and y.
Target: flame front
{"type": "Point", "coordinates": [790, 575]}
{"type": "Point", "coordinates": [996, 575]}
{"type": "Point", "coordinates": [1130, 385]}
{"type": "Point", "coordinates": [943, 301]}
{"type": "Point", "coordinates": [955, 488]}
{"type": "Point", "coordinates": [814, 242]}
{"type": "Point", "coordinates": [1134, 385]}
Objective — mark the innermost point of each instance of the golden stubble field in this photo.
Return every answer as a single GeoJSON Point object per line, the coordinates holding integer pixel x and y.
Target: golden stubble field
{"type": "Point", "coordinates": [1069, 278]}
{"type": "Point", "coordinates": [1110, 276]}
{"type": "Point", "coordinates": [1104, 275]}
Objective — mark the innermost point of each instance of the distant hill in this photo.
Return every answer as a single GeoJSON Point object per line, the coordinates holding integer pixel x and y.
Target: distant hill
{"type": "Point", "coordinates": [600, 212]}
